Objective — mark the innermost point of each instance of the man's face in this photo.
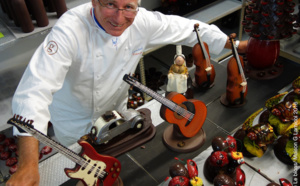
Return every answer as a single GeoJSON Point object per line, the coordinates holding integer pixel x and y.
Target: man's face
{"type": "Point", "coordinates": [112, 20]}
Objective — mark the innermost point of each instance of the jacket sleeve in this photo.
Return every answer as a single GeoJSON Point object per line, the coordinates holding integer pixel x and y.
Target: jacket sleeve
{"type": "Point", "coordinates": [171, 29]}
{"type": "Point", "coordinates": [43, 76]}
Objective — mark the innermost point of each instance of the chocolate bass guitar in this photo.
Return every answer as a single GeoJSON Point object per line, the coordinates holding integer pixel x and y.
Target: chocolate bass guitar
{"type": "Point", "coordinates": [91, 168]}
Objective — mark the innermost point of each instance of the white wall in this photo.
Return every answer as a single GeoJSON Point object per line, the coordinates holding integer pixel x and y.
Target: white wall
{"type": "Point", "coordinates": [150, 4]}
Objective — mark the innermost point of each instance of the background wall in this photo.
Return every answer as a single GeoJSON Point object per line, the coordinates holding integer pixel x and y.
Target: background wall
{"type": "Point", "coordinates": [150, 4]}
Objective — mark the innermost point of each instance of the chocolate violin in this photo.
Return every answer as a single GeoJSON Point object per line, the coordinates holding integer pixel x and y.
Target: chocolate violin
{"type": "Point", "coordinates": [236, 90]}
{"type": "Point", "coordinates": [205, 71]}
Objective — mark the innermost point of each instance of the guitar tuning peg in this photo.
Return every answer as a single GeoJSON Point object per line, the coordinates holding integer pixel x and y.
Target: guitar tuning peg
{"type": "Point", "coordinates": [24, 120]}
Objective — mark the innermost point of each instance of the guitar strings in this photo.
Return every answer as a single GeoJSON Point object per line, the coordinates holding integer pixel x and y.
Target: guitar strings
{"type": "Point", "coordinates": [170, 104]}
{"type": "Point", "coordinates": [65, 151]}
{"type": "Point", "coordinates": [72, 155]}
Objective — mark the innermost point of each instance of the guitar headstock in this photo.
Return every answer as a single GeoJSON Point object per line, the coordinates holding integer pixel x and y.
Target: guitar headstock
{"type": "Point", "coordinates": [129, 79]}
{"type": "Point", "coordinates": [19, 122]}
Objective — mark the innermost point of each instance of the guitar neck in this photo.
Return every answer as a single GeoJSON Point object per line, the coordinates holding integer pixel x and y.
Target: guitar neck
{"type": "Point", "coordinates": [49, 142]}
{"type": "Point", "coordinates": [171, 105]}
{"type": "Point", "coordinates": [166, 102]}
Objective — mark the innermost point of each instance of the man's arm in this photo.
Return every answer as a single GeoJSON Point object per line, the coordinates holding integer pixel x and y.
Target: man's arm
{"type": "Point", "coordinates": [28, 169]}
{"type": "Point", "coordinates": [242, 48]}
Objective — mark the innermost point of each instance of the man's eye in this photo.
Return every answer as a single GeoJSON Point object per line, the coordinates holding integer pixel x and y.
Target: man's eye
{"type": "Point", "coordinates": [129, 7]}
{"type": "Point", "coordinates": [110, 5]}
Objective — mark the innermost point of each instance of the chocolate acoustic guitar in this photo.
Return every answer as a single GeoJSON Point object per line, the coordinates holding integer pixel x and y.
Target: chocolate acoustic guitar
{"type": "Point", "coordinates": [91, 168]}
{"type": "Point", "coordinates": [189, 115]}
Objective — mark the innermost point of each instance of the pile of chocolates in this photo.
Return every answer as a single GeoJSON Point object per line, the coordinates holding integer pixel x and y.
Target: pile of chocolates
{"type": "Point", "coordinates": [135, 100]}
{"type": "Point", "coordinates": [23, 12]}
{"type": "Point", "coordinates": [270, 19]}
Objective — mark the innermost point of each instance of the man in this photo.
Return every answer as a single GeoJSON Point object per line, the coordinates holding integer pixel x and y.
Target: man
{"type": "Point", "coordinates": [76, 73]}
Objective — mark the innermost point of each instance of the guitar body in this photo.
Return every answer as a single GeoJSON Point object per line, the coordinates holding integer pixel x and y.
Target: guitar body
{"type": "Point", "coordinates": [187, 128]}
{"type": "Point", "coordinates": [97, 163]}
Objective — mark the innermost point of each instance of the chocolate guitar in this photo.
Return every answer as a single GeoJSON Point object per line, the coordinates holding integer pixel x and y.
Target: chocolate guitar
{"type": "Point", "coordinates": [189, 115]}
{"type": "Point", "coordinates": [91, 167]}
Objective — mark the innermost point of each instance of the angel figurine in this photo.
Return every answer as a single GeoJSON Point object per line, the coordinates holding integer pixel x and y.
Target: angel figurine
{"type": "Point", "coordinates": [178, 73]}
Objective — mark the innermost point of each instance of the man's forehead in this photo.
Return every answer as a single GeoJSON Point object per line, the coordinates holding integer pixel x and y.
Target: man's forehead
{"type": "Point", "coordinates": [122, 1]}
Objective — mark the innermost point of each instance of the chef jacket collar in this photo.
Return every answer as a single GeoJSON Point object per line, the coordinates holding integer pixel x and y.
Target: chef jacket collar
{"type": "Point", "coordinates": [96, 21]}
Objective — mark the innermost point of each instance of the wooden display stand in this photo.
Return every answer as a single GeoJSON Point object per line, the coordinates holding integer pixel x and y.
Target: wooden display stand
{"type": "Point", "coordinates": [264, 74]}
{"type": "Point", "coordinates": [225, 102]}
{"type": "Point", "coordinates": [175, 141]}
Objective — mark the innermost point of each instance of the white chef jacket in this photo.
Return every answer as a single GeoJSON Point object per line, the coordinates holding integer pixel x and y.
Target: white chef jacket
{"type": "Point", "coordinates": [76, 74]}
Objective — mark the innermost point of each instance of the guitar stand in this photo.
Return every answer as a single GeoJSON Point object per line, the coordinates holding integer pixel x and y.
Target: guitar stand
{"type": "Point", "coordinates": [175, 141]}
{"type": "Point", "coordinates": [225, 102]}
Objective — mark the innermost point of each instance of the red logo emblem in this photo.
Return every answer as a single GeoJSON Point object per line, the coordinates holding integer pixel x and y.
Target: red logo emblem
{"type": "Point", "coordinates": [51, 47]}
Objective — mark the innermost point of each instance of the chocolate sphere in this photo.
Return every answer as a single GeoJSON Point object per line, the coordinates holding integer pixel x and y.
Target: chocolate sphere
{"type": "Point", "coordinates": [223, 179]}
{"type": "Point", "coordinates": [178, 169]}
{"type": "Point", "coordinates": [219, 144]}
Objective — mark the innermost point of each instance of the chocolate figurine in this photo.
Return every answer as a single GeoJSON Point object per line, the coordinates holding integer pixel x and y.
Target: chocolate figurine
{"type": "Point", "coordinates": [178, 74]}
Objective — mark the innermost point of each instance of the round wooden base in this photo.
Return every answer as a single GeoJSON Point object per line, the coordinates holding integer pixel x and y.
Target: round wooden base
{"type": "Point", "coordinates": [179, 143]}
{"type": "Point", "coordinates": [264, 74]}
{"type": "Point", "coordinates": [225, 102]}
{"type": "Point", "coordinates": [201, 87]}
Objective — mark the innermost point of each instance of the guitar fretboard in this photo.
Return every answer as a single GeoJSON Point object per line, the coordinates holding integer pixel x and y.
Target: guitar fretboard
{"type": "Point", "coordinates": [168, 103]}
{"type": "Point", "coordinates": [54, 144]}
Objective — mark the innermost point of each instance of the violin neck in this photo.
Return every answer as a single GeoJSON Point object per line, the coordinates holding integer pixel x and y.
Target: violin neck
{"type": "Point", "coordinates": [206, 56]}
{"type": "Point", "coordinates": [236, 55]}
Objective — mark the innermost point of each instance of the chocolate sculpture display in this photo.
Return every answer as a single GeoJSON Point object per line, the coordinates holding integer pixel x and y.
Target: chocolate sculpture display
{"type": "Point", "coordinates": [184, 176]}
{"type": "Point", "coordinates": [186, 115]}
{"type": "Point", "coordinates": [280, 117]}
{"type": "Point", "coordinates": [266, 22]}
{"type": "Point", "coordinates": [223, 166]}
{"type": "Point", "coordinates": [178, 73]}
{"type": "Point", "coordinates": [205, 71]}
{"type": "Point", "coordinates": [236, 88]}
{"type": "Point", "coordinates": [255, 137]}
{"type": "Point", "coordinates": [22, 12]}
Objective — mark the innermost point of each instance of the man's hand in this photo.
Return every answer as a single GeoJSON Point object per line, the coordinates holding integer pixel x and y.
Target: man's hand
{"type": "Point", "coordinates": [242, 48]}
{"type": "Point", "coordinates": [28, 164]}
